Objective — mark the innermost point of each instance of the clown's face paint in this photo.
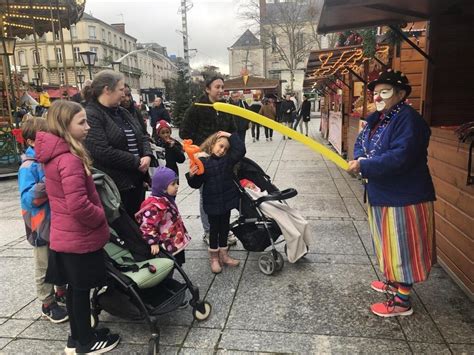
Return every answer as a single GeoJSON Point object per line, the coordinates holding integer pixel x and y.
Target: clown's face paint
{"type": "Point", "coordinates": [384, 97]}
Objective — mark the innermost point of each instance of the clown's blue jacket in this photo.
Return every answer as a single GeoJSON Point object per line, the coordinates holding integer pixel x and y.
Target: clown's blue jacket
{"type": "Point", "coordinates": [396, 166]}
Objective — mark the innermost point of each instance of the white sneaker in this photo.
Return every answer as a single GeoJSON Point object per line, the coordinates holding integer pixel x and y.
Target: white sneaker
{"type": "Point", "coordinates": [205, 238]}
{"type": "Point", "coordinates": [253, 140]}
{"type": "Point", "coordinates": [231, 239]}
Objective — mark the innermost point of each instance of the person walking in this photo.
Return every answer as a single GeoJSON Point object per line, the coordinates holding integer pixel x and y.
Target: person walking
{"type": "Point", "coordinates": [199, 123]}
{"type": "Point", "coordinates": [157, 113]}
{"type": "Point", "coordinates": [391, 153]}
{"type": "Point", "coordinates": [255, 106]}
{"type": "Point", "coordinates": [305, 115]}
{"type": "Point", "coordinates": [287, 108]}
{"type": "Point", "coordinates": [116, 141]}
{"type": "Point", "coordinates": [268, 110]}
{"type": "Point", "coordinates": [241, 124]}
{"type": "Point", "coordinates": [79, 228]}
{"type": "Point", "coordinates": [220, 152]}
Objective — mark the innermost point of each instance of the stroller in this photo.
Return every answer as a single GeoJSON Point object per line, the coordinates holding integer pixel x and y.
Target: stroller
{"type": "Point", "coordinates": [139, 285]}
{"type": "Point", "coordinates": [255, 230]}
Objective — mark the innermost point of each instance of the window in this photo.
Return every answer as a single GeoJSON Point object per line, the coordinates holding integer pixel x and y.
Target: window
{"type": "Point", "coordinates": [299, 41]}
{"type": "Point", "coordinates": [36, 57]}
{"type": "Point", "coordinates": [274, 43]}
{"type": "Point", "coordinates": [59, 55]}
{"type": "Point", "coordinates": [121, 43]}
{"type": "Point", "coordinates": [92, 32]}
{"type": "Point", "coordinates": [103, 35]}
{"type": "Point", "coordinates": [22, 58]}
{"type": "Point", "coordinates": [73, 31]}
{"type": "Point", "coordinates": [110, 38]}
{"type": "Point", "coordinates": [115, 40]}
{"type": "Point", "coordinates": [61, 78]}
{"type": "Point", "coordinates": [95, 50]}
{"type": "Point", "coordinates": [56, 36]}
{"type": "Point", "coordinates": [77, 56]}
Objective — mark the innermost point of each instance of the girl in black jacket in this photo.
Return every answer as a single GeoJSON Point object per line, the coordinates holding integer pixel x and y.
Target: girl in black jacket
{"type": "Point", "coordinates": [220, 152]}
{"type": "Point", "coordinates": [174, 153]}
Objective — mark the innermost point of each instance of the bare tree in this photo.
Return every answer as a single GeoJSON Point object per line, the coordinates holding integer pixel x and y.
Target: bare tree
{"type": "Point", "coordinates": [287, 30]}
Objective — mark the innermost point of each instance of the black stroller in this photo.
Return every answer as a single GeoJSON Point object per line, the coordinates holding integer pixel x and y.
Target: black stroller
{"type": "Point", "coordinates": [139, 286]}
{"type": "Point", "coordinates": [256, 231]}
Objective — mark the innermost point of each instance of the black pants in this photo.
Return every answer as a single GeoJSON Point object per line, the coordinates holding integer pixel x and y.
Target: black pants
{"type": "Point", "coordinates": [219, 230]}
{"type": "Point", "coordinates": [268, 132]}
{"type": "Point", "coordinates": [241, 135]}
{"type": "Point", "coordinates": [79, 311]}
{"type": "Point", "coordinates": [255, 127]}
{"type": "Point", "coordinates": [132, 199]}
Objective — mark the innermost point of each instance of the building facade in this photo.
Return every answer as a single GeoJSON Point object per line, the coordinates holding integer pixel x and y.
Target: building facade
{"type": "Point", "coordinates": [246, 54]}
{"type": "Point", "coordinates": [57, 62]}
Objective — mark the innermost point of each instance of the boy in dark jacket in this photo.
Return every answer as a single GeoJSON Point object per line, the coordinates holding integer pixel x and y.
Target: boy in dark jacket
{"type": "Point", "coordinates": [174, 154]}
{"type": "Point", "coordinates": [221, 151]}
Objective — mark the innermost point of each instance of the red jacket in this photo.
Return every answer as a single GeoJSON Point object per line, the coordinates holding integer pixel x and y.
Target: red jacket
{"type": "Point", "coordinates": [78, 223]}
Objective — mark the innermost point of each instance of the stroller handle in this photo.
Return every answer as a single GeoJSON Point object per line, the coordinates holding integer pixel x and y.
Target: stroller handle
{"type": "Point", "coordinates": [277, 196]}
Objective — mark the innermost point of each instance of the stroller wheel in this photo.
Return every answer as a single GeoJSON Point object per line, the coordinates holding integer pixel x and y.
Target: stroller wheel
{"type": "Point", "coordinates": [279, 262]}
{"type": "Point", "coordinates": [202, 310]}
{"type": "Point", "coordinates": [267, 263]}
{"type": "Point", "coordinates": [154, 345]}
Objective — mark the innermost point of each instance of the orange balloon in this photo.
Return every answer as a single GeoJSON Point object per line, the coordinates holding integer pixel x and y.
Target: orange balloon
{"type": "Point", "coordinates": [191, 149]}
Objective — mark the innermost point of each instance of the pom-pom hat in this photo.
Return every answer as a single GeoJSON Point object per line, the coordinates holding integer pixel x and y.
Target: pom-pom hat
{"type": "Point", "coordinates": [392, 77]}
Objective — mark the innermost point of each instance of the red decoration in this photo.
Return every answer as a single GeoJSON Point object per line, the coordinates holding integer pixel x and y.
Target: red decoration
{"type": "Point", "coordinates": [17, 133]}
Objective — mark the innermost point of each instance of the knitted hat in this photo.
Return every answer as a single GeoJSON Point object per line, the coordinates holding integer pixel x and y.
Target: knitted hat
{"type": "Point", "coordinates": [162, 124]}
{"type": "Point", "coordinates": [161, 179]}
{"type": "Point", "coordinates": [392, 77]}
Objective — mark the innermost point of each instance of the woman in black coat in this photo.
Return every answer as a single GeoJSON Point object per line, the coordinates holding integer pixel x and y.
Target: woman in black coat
{"type": "Point", "coordinates": [116, 141]}
{"type": "Point", "coordinates": [305, 114]}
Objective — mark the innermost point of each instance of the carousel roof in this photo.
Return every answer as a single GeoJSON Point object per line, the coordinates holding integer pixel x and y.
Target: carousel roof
{"type": "Point", "coordinates": [24, 17]}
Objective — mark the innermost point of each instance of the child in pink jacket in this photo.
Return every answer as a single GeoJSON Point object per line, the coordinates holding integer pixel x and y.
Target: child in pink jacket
{"type": "Point", "coordinates": [79, 228]}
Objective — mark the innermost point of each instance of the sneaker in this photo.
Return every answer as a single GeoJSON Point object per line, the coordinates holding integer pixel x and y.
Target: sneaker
{"type": "Point", "coordinates": [266, 139]}
{"type": "Point", "coordinates": [231, 239]}
{"type": "Point", "coordinates": [205, 238]}
{"type": "Point", "coordinates": [55, 313]}
{"type": "Point", "coordinates": [271, 138]}
{"type": "Point", "coordinates": [70, 348]}
{"type": "Point", "coordinates": [384, 287]}
{"type": "Point", "coordinates": [392, 308]}
{"type": "Point", "coordinates": [99, 344]}
{"type": "Point", "coordinates": [60, 299]}
{"type": "Point", "coordinates": [253, 140]}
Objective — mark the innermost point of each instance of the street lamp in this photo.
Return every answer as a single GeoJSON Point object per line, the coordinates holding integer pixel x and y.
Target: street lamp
{"type": "Point", "coordinates": [8, 45]}
{"type": "Point", "coordinates": [116, 66]}
{"type": "Point", "coordinates": [36, 82]}
{"type": "Point", "coordinates": [88, 58]}
{"type": "Point", "coordinates": [80, 79]}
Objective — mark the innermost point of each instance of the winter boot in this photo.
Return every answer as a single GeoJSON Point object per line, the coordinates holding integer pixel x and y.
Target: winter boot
{"type": "Point", "coordinates": [214, 261]}
{"type": "Point", "coordinates": [226, 259]}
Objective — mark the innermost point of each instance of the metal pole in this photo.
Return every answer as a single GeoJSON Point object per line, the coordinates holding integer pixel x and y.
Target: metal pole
{"type": "Point", "coordinates": [54, 42]}
{"type": "Point", "coordinates": [12, 89]}
{"type": "Point", "coordinates": [63, 48]}
{"type": "Point", "coordinates": [72, 47]}
{"type": "Point", "coordinates": [37, 55]}
{"type": "Point", "coordinates": [90, 71]}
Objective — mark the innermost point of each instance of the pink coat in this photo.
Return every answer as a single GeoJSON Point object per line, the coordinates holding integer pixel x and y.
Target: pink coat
{"type": "Point", "coordinates": [78, 223]}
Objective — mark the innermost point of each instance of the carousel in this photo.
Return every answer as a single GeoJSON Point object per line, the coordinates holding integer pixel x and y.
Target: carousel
{"type": "Point", "coordinates": [18, 19]}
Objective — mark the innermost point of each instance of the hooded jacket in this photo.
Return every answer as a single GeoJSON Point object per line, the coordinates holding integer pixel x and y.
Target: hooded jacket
{"type": "Point", "coordinates": [200, 122]}
{"type": "Point", "coordinates": [78, 223]}
{"type": "Point", "coordinates": [219, 194]}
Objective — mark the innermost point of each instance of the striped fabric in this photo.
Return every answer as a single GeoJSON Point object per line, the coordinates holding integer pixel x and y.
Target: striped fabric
{"type": "Point", "coordinates": [403, 239]}
{"type": "Point", "coordinates": [131, 141]}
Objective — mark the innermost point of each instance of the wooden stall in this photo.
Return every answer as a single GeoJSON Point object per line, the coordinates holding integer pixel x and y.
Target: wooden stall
{"type": "Point", "coordinates": [435, 61]}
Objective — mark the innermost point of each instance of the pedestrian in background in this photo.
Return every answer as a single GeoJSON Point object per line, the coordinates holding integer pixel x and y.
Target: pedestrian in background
{"type": "Point", "coordinates": [157, 113]}
{"type": "Point", "coordinates": [305, 115]}
{"type": "Point", "coordinates": [241, 124]}
{"type": "Point", "coordinates": [255, 106]}
{"type": "Point", "coordinates": [287, 108]}
{"type": "Point", "coordinates": [268, 110]}
{"type": "Point", "coordinates": [79, 228]}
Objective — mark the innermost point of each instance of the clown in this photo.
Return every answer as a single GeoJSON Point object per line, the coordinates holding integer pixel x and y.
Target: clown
{"type": "Point", "coordinates": [391, 154]}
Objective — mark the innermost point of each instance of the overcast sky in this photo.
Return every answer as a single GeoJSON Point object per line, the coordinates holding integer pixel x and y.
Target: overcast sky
{"type": "Point", "coordinates": [213, 25]}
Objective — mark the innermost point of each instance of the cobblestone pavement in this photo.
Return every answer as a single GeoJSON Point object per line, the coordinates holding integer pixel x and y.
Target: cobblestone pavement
{"type": "Point", "coordinates": [318, 305]}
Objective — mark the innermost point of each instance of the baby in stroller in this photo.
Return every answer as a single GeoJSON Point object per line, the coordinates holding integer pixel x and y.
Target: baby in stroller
{"type": "Point", "coordinates": [264, 216]}
{"type": "Point", "coordinates": [292, 224]}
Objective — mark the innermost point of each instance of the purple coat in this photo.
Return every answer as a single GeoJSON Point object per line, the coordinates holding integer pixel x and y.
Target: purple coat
{"type": "Point", "coordinates": [78, 223]}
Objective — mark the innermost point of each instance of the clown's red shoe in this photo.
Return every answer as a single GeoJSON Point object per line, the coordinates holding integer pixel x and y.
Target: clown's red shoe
{"type": "Point", "coordinates": [392, 308]}
{"type": "Point", "coordinates": [384, 287]}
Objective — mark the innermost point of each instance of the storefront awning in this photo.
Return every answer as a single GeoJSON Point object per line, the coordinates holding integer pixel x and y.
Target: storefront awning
{"type": "Point", "coordinates": [339, 15]}
{"type": "Point", "coordinates": [252, 83]}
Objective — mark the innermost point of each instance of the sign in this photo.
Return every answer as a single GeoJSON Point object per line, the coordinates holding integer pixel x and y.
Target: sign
{"type": "Point", "coordinates": [335, 130]}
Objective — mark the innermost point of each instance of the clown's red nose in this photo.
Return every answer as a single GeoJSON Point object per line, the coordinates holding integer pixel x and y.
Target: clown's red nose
{"type": "Point", "coordinates": [378, 98]}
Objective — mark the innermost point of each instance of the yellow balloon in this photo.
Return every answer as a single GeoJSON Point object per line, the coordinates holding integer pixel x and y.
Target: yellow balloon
{"type": "Point", "coordinates": [264, 121]}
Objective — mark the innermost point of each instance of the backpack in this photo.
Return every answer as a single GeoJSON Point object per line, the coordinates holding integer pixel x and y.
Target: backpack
{"type": "Point", "coordinates": [109, 194]}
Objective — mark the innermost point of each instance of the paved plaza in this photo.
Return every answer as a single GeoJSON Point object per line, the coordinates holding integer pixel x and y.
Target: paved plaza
{"type": "Point", "coordinates": [318, 305]}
